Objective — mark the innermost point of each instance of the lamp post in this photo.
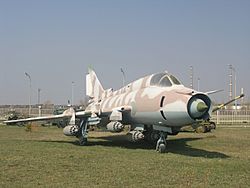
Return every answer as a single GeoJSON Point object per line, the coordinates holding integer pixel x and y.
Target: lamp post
{"type": "Point", "coordinates": [232, 70]}
{"type": "Point", "coordinates": [235, 102]}
{"type": "Point", "coordinates": [198, 84]}
{"type": "Point", "coordinates": [242, 99]}
{"type": "Point", "coordinates": [123, 77]}
{"type": "Point", "coordinates": [39, 96]}
{"type": "Point", "coordinates": [191, 77]}
{"type": "Point", "coordinates": [29, 77]}
{"type": "Point", "coordinates": [72, 93]}
{"type": "Point", "coordinates": [38, 102]}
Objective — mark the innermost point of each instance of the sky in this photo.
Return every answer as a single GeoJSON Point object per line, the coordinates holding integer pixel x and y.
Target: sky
{"type": "Point", "coordinates": [55, 41]}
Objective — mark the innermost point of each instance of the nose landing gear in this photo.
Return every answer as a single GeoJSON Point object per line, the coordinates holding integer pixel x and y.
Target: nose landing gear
{"type": "Point", "coordinates": [161, 144]}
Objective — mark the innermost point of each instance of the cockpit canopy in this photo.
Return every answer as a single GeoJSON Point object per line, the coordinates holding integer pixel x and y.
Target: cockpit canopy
{"type": "Point", "coordinates": [164, 80]}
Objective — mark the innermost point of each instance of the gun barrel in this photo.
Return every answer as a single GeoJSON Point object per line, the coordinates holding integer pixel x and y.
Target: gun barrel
{"type": "Point", "coordinates": [225, 104]}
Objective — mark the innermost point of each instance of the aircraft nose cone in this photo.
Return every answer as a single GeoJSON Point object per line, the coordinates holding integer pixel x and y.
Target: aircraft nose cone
{"type": "Point", "coordinates": [201, 107]}
{"type": "Point", "coordinates": [197, 108]}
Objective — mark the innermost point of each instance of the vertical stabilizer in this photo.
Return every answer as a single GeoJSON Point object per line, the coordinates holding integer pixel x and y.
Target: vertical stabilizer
{"type": "Point", "coordinates": [94, 88]}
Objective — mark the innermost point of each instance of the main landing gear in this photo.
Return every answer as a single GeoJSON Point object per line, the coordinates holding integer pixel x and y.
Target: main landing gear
{"type": "Point", "coordinates": [83, 133]}
{"type": "Point", "coordinates": [84, 129]}
{"type": "Point", "coordinates": [158, 138]}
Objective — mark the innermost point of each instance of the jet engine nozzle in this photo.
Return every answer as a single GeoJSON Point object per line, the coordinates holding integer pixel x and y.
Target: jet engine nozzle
{"type": "Point", "coordinates": [198, 106]}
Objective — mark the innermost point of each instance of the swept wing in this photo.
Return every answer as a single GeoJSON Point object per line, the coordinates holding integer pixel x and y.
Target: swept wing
{"type": "Point", "coordinates": [66, 114]}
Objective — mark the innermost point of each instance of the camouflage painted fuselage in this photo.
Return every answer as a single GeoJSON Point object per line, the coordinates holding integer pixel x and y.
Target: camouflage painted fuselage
{"type": "Point", "coordinates": [151, 103]}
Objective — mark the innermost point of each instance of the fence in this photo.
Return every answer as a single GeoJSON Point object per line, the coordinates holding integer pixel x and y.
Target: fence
{"type": "Point", "coordinates": [24, 109]}
{"type": "Point", "coordinates": [232, 117]}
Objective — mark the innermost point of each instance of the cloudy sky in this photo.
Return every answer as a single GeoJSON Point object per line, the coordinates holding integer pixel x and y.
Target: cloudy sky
{"type": "Point", "coordinates": [55, 41]}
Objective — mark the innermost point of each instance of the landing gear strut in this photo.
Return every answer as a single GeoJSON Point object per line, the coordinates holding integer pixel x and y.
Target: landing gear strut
{"type": "Point", "coordinates": [161, 143]}
{"type": "Point", "coordinates": [83, 133]}
{"type": "Point", "coordinates": [84, 126]}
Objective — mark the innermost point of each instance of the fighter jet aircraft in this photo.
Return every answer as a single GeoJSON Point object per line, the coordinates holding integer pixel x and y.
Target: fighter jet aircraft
{"type": "Point", "coordinates": [154, 106]}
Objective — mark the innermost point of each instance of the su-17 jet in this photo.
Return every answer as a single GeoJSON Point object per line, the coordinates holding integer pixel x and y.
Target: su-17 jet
{"type": "Point", "coordinates": [154, 106]}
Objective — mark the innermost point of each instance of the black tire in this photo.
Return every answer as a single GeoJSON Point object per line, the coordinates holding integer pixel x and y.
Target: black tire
{"type": "Point", "coordinates": [151, 136]}
{"type": "Point", "coordinates": [213, 125]}
{"type": "Point", "coordinates": [83, 141]}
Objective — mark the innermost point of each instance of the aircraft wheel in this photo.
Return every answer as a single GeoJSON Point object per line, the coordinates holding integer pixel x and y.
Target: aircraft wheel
{"type": "Point", "coordinates": [213, 125]}
{"type": "Point", "coordinates": [152, 136]}
{"type": "Point", "coordinates": [83, 141]}
{"type": "Point", "coordinates": [161, 143]}
{"type": "Point", "coordinates": [162, 148]}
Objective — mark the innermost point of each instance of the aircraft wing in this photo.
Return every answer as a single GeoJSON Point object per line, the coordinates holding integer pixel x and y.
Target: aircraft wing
{"type": "Point", "coordinates": [222, 105]}
{"type": "Point", "coordinates": [66, 114]}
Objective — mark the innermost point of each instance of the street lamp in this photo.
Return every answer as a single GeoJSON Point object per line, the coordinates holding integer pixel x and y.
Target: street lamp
{"type": "Point", "coordinates": [235, 102]}
{"type": "Point", "coordinates": [29, 77]}
{"type": "Point", "coordinates": [38, 102]}
{"type": "Point", "coordinates": [232, 70]}
{"type": "Point", "coordinates": [72, 93]}
{"type": "Point", "coordinates": [198, 84]}
{"type": "Point", "coordinates": [191, 77]}
{"type": "Point", "coordinates": [123, 77]}
{"type": "Point", "coordinates": [39, 96]}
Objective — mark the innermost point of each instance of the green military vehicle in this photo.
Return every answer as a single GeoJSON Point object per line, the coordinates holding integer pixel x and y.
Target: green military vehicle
{"type": "Point", "coordinates": [202, 127]}
{"type": "Point", "coordinates": [13, 115]}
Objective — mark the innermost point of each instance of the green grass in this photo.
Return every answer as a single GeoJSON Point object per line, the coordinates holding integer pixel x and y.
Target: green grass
{"type": "Point", "coordinates": [47, 158]}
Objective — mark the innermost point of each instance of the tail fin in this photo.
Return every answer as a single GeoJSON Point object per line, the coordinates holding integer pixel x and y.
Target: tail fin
{"type": "Point", "coordinates": [94, 88]}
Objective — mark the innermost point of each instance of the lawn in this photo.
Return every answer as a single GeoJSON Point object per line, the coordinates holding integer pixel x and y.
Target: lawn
{"type": "Point", "coordinates": [47, 158]}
